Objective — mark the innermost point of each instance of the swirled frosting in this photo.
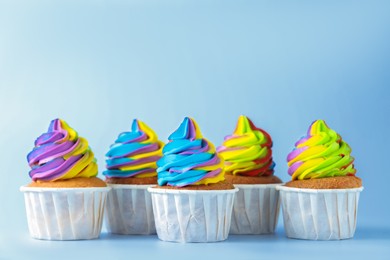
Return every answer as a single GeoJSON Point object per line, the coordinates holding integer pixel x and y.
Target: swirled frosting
{"type": "Point", "coordinates": [134, 153]}
{"type": "Point", "coordinates": [247, 151]}
{"type": "Point", "coordinates": [61, 154]}
{"type": "Point", "coordinates": [321, 153]}
{"type": "Point", "coordinates": [189, 159]}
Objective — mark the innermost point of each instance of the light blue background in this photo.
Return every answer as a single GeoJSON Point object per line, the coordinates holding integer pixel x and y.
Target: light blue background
{"type": "Point", "coordinates": [99, 64]}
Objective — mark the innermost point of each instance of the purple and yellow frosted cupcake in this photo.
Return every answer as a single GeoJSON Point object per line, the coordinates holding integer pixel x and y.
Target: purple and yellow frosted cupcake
{"type": "Point", "coordinates": [321, 200]}
{"type": "Point", "coordinates": [250, 167]}
{"type": "Point", "coordinates": [65, 200]}
{"type": "Point", "coordinates": [131, 169]}
{"type": "Point", "coordinates": [192, 202]}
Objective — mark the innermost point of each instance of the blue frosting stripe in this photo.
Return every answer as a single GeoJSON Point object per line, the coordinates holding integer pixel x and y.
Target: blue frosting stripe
{"type": "Point", "coordinates": [178, 146]}
{"type": "Point", "coordinates": [118, 161]}
{"type": "Point", "coordinates": [120, 173]}
{"type": "Point", "coordinates": [174, 160]}
{"type": "Point", "coordinates": [180, 179]}
{"type": "Point", "coordinates": [127, 136]}
{"type": "Point", "coordinates": [118, 150]}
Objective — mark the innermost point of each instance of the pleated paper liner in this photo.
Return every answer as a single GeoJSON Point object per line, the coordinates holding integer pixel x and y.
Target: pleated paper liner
{"type": "Point", "coordinates": [129, 210]}
{"type": "Point", "coordinates": [255, 209]}
{"type": "Point", "coordinates": [65, 213]}
{"type": "Point", "coordinates": [317, 214]}
{"type": "Point", "coordinates": [192, 215]}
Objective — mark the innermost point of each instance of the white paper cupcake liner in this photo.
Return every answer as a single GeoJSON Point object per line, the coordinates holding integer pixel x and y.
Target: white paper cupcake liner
{"type": "Point", "coordinates": [255, 209]}
{"type": "Point", "coordinates": [129, 210]}
{"type": "Point", "coordinates": [317, 214]}
{"type": "Point", "coordinates": [64, 213]}
{"type": "Point", "coordinates": [192, 215]}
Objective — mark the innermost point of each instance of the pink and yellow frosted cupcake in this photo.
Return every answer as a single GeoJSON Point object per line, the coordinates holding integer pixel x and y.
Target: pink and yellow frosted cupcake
{"type": "Point", "coordinates": [131, 169]}
{"type": "Point", "coordinates": [250, 167]}
{"type": "Point", "coordinates": [65, 200]}
{"type": "Point", "coordinates": [192, 202]}
{"type": "Point", "coordinates": [321, 200]}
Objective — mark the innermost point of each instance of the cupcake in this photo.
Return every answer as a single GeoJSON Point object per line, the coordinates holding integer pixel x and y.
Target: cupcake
{"type": "Point", "coordinates": [65, 200]}
{"type": "Point", "coordinates": [131, 169]}
{"type": "Point", "coordinates": [192, 202]}
{"type": "Point", "coordinates": [321, 200]}
{"type": "Point", "coordinates": [249, 166]}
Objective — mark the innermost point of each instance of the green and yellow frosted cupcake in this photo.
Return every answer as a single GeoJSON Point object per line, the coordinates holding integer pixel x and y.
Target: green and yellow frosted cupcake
{"type": "Point", "coordinates": [250, 167]}
{"type": "Point", "coordinates": [321, 200]}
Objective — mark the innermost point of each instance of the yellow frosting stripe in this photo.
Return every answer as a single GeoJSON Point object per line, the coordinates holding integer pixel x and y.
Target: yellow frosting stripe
{"type": "Point", "coordinates": [220, 177]}
{"type": "Point", "coordinates": [84, 161]}
{"type": "Point", "coordinates": [146, 175]}
{"type": "Point", "coordinates": [148, 131]}
{"type": "Point", "coordinates": [139, 166]}
{"type": "Point", "coordinates": [245, 155]}
{"type": "Point", "coordinates": [72, 134]}
{"type": "Point", "coordinates": [146, 155]}
{"type": "Point", "coordinates": [198, 134]}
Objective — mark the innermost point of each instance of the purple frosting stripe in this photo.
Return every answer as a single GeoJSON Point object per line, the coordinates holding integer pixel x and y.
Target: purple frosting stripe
{"type": "Point", "coordinates": [48, 138]}
{"type": "Point", "coordinates": [296, 152]}
{"type": "Point", "coordinates": [294, 167]}
{"type": "Point", "coordinates": [54, 173]}
{"type": "Point", "coordinates": [135, 162]}
{"type": "Point", "coordinates": [50, 151]}
{"type": "Point", "coordinates": [302, 140]}
{"type": "Point", "coordinates": [211, 174]}
{"type": "Point", "coordinates": [195, 150]}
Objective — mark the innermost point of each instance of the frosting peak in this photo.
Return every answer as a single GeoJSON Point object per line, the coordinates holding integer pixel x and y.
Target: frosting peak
{"type": "Point", "coordinates": [189, 159]}
{"type": "Point", "coordinates": [188, 129]}
{"type": "Point", "coordinates": [61, 154]}
{"type": "Point", "coordinates": [248, 150]}
{"type": "Point", "coordinates": [321, 153]}
{"type": "Point", "coordinates": [134, 154]}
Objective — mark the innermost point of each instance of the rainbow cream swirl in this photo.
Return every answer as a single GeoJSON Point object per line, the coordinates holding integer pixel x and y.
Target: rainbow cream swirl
{"type": "Point", "coordinates": [321, 153]}
{"type": "Point", "coordinates": [247, 151]}
{"type": "Point", "coordinates": [134, 154]}
{"type": "Point", "coordinates": [61, 154]}
{"type": "Point", "coordinates": [189, 159]}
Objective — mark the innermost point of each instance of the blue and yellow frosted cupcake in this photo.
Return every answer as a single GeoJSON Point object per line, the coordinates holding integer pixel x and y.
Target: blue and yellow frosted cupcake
{"type": "Point", "coordinates": [192, 202]}
{"type": "Point", "coordinates": [250, 167]}
{"type": "Point", "coordinates": [131, 169]}
{"type": "Point", "coordinates": [323, 186]}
